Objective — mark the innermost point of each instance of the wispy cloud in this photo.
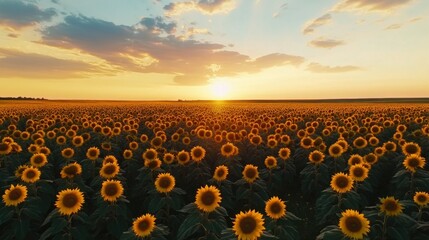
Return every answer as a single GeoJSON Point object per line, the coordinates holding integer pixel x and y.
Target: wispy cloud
{"type": "Point", "coordinates": [282, 8]}
{"type": "Point", "coordinates": [393, 27]}
{"type": "Point", "coordinates": [318, 68]}
{"type": "Point", "coordinates": [311, 26]}
{"type": "Point", "coordinates": [14, 63]}
{"type": "Point", "coordinates": [371, 5]}
{"type": "Point", "coordinates": [141, 49]}
{"type": "Point", "coordinates": [400, 25]}
{"type": "Point", "coordinates": [204, 6]}
{"type": "Point", "coordinates": [17, 14]}
{"type": "Point", "coordinates": [326, 43]}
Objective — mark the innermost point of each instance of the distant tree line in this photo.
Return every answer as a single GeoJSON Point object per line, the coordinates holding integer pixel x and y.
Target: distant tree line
{"type": "Point", "coordinates": [21, 98]}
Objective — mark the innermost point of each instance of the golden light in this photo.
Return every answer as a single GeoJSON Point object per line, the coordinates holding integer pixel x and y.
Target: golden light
{"type": "Point", "coordinates": [219, 90]}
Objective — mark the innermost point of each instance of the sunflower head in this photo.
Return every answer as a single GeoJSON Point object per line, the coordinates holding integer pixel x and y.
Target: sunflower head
{"type": "Point", "coordinates": [316, 157]}
{"type": "Point", "coordinates": [390, 206]}
{"type": "Point", "coordinates": [153, 164]}
{"type": "Point", "coordinates": [307, 142]}
{"type": "Point", "coordinates": [270, 162]}
{"type": "Point", "coordinates": [220, 173]}
{"type": "Point", "coordinates": [19, 170]}
{"type": "Point", "coordinates": [198, 153]}
{"type": "Point", "coordinates": [144, 225]}
{"type": "Point", "coordinates": [379, 151]}
{"type": "Point", "coordinates": [335, 150]}
{"type": "Point", "coordinates": [284, 153]}
{"type": "Point", "coordinates": [412, 162]}
{"type": "Point", "coordinates": [15, 195]}
{"type": "Point", "coordinates": [208, 198]}
{"type": "Point", "coordinates": [127, 154]}
{"type": "Point", "coordinates": [150, 154]}
{"type": "Point", "coordinates": [110, 159]}
{"type": "Point", "coordinates": [30, 175]}
{"type": "Point", "coordinates": [165, 182]}
{"type": "Point", "coordinates": [371, 158]}
{"type": "Point", "coordinates": [358, 172]}
{"type": "Point", "coordinates": [341, 183]}
{"type": "Point", "coordinates": [410, 148]}
{"type": "Point", "coordinates": [69, 201]}
{"type": "Point", "coordinates": [227, 149]}
{"type": "Point", "coordinates": [250, 173]}
{"type": "Point", "coordinates": [38, 160]}
{"type": "Point", "coordinates": [248, 225]}
{"type": "Point", "coordinates": [389, 146]}
{"type": "Point", "coordinates": [92, 153]}
{"type": "Point", "coordinates": [109, 170]}
{"type": "Point", "coordinates": [67, 153]}
{"type": "Point", "coordinates": [111, 190]}
{"type": "Point", "coordinates": [354, 224]}
{"type": "Point", "coordinates": [71, 170]}
{"type": "Point", "coordinates": [183, 157]}
{"type": "Point", "coordinates": [77, 141]}
{"type": "Point", "coordinates": [275, 208]}
{"type": "Point", "coordinates": [360, 143]}
{"type": "Point", "coordinates": [421, 198]}
{"type": "Point", "coordinates": [355, 159]}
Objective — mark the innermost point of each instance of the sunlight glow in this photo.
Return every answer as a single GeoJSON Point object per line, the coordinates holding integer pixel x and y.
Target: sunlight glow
{"type": "Point", "coordinates": [220, 90]}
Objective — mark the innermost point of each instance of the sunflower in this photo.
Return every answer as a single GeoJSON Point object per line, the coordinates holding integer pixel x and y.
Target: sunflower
{"type": "Point", "coordinates": [284, 153]}
{"type": "Point", "coordinates": [358, 172]}
{"type": "Point", "coordinates": [250, 173]}
{"type": "Point", "coordinates": [354, 224]}
{"type": "Point", "coordinates": [33, 148]}
{"type": "Point", "coordinates": [412, 162]}
{"type": "Point", "coordinates": [168, 158]}
{"type": "Point", "coordinates": [220, 173]}
{"type": "Point", "coordinates": [110, 159]}
{"type": "Point", "coordinates": [77, 141]}
{"type": "Point", "coordinates": [335, 150]}
{"type": "Point", "coordinates": [38, 160]}
{"type": "Point", "coordinates": [411, 148]}
{"type": "Point", "coordinates": [248, 225]}
{"type": "Point", "coordinates": [153, 164]}
{"type": "Point", "coordinates": [389, 146]}
{"type": "Point", "coordinates": [144, 225]}
{"type": "Point", "coordinates": [379, 151]}
{"type": "Point", "coordinates": [390, 206]}
{"type": "Point", "coordinates": [316, 157]}
{"type": "Point", "coordinates": [306, 142]}
{"type": "Point", "coordinates": [371, 158]}
{"type": "Point", "coordinates": [92, 153]}
{"type": "Point", "coordinates": [270, 162]}
{"type": "Point", "coordinates": [227, 149]}
{"type": "Point", "coordinates": [355, 159]}
{"type": "Point", "coordinates": [133, 145]}
{"type": "Point", "coordinates": [19, 170]}
{"type": "Point", "coordinates": [69, 201]}
{"type": "Point", "coordinates": [45, 150]}
{"type": "Point", "coordinates": [198, 153]}
{"type": "Point", "coordinates": [165, 182]}
{"type": "Point", "coordinates": [275, 208]}
{"type": "Point", "coordinates": [421, 198]}
{"type": "Point", "coordinates": [341, 183]}
{"type": "Point", "coordinates": [186, 140]}
{"type": "Point", "coordinates": [109, 170]}
{"type": "Point", "coordinates": [272, 143]}
{"type": "Point", "coordinates": [107, 146]}
{"type": "Point", "coordinates": [360, 143]}
{"type": "Point", "coordinates": [208, 198]}
{"type": "Point", "coordinates": [111, 190]}
{"type": "Point", "coordinates": [150, 154]}
{"type": "Point", "coordinates": [256, 140]}
{"type": "Point", "coordinates": [15, 195]}
{"type": "Point", "coordinates": [30, 174]}
{"type": "Point", "coordinates": [127, 154]}
{"type": "Point", "coordinates": [71, 170]}
{"type": "Point", "coordinates": [183, 157]}
{"type": "Point", "coordinates": [343, 143]}
{"type": "Point", "coordinates": [67, 153]}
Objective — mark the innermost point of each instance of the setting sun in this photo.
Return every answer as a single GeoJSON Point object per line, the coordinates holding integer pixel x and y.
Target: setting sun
{"type": "Point", "coordinates": [220, 90]}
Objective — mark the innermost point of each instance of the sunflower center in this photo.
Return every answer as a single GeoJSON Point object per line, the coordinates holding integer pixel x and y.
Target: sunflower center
{"type": "Point", "coordinates": [370, 158]}
{"type": "Point", "coordinates": [143, 225]}
{"type": "Point", "coordinates": [390, 206]}
{"type": "Point", "coordinates": [70, 170]}
{"type": "Point", "coordinates": [30, 174]}
{"type": "Point", "coordinates": [110, 169]}
{"type": "Point", "coordinates": [360, 142]}
{"type": "Point", "coordinates": [275, 208]}
{"type": "Point", "coordinates": [4, 146]}
{"type": "Point", "coordinates": [250, 173]}
{"type": "Point", "coordinates": [164, 182]}
{"type": "Point", "coordinates": [358, 172]}
{"type": "Point", "coordinates": [15, 194]}
{"type": "Point", "coordinates": [208, 198]}
{"type": "Point", "coordinates": [353, 224]}
{"type": "Point", "coordinates": [411, 149]}
{"type": "Point", "coordinates": [111, 189]}
{"type": "Point", "coordinates": [220, 172]}
{"type": "Point", "coordinates": [421, 198]}
{"type": "Point", "coordinates": [153, 164]}
{"type": "Point", "coordinates": [342, 181]}
{"type": "Point", "coordinates": [307, 142]}
{"type": "Point", "coordinates": [248, 225]}
{"type": "Point", "coordinates": [336, 150]}
{"type": "Point", "coordinates": [270, 162]}
{"type": "Point", "coordinates": [413, 162]}
{"type": "Point", "coordinates": [389, 147]}
{"type": "Point", "coordinates": [316, 157]}
{"type": "Point", "coordinates": [198, 153]}
{"type": "Point", "coordinates": [70, 200]}
{"type": "Point", "coordinates": [150, 155]}
{"type": "Point", "coordinates": [93, 153]}
{"type": "Point", "coordinates": [227, 149]}
{"type": "Point", "coordinates": [38, 159]}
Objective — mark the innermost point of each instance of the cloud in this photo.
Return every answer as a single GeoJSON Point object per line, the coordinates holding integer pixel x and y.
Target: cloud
{"type": "Point", "coordinates": [282, 8]}
{"type": "Point", "coordinates": [400, 25]}
{"type": "Point", "coordinates": [141, 49]}
{"type": "Point", "coordinates": [190, 32]}
{"type": "Point", "coordinates": [16, 14]}
{"type": "Point", "coordinates": [316, 23]}
{"type": "Point", "coordinates": [371, 5]}
{"type": "Point", "coordinates": [393, 26]}
{"type": "Point", "coordinates": [14, 63]}
{"type": "Point", "coordinates": [204, 6]}
{"type": "Point", "coordinates": [318, 68]}
{"type": "Point", "coordinates": [326, 43]}
{"type": "Point", "coordinates": [158, 24]}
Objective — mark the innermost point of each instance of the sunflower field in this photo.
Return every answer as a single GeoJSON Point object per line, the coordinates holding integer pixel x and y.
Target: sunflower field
{"type": "Point", "coordinates": [196, 170]}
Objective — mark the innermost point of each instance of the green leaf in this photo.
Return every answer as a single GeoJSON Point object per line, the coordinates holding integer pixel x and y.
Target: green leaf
{"type": "Point", "coordinates": [6, 214]}
{"type": "Point", "coordinates": [50, 216]}
{"type": "Point", "coordinates": [190, 226]}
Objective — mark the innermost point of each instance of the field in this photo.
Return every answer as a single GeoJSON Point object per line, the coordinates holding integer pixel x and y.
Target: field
{"type": "Point", "coordinates": [213, 170]}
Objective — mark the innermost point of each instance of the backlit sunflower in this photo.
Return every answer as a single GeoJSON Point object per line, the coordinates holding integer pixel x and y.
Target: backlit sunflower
{"type": "Point", "coordinates": [284, 153]}
{"type": "Point", "coordinates": [71, 170]}
{"type": "Point", "coordinates": [183, 157]}
{"type": "Point", "coordinates": [127, 154]}
{"type": "Point", "coordinates": [67, 153]}
{"type": "Point", "coordinates": [389, 146]}
{"type": "Point", "coordinates": [77, 141]}
{"type": "Point", "coordinates": [153, 164]}
{"type": "Point", "coordinates": [248, 225]}
{"type": "Point", "coordinates": [150, 154]}
{"type": "Point", "coordinates": [358, 172]}
{"type": "Point", "coordinates": [111, 190]}
{"type": "Point", "coordinates": [165, 182]}
{"type": "Point", "coordinates": [109, 170]}
{"type": "Point", "coordinates": [220, 173]}
{"type": "Point", "coordinates": [198, 153]}
{"type": "Point", "coordinates": [371, 158]}
{"type": "Point", "coordinates": [412, 162]}
{"type": "Point", "coordinates": [227, 150]}
{"type": "Point", "coordinates": [250, 173]}
{"type": "Point", "coordinates": [208, 198]}
{"type": "Point", "coordinates": [316, 157]}
{"type": "Point", "coordinates": [306, 142]}
{"type": "Point", "coordinates": [110, 159]}
{"type": "Point", "coordinates": [30, 174]}
{"type": "Point", "coordinates": [168, 158]}
{"type": "Point", "coordinates": [15, 195]}
{"type": "Point", "coordinates": [390, 206]}
{"type": "Point", "coordinates": [92, 153]}
{"type": "Point", "coordinates": [38, 160]}
{"type": "Point", "coordinates": [411, 148]}
{"type": "Point", "coordinates": [144, 225]}
{"type": "Point", "coordinates": [270, 162]}
{"type": "Point", "coordinates": [379, 151]}
{"type": "Point", "coordinates": [421, 198]}
{"type": "Point", "coordinates": [275, 208]}
{"type": "Point", "coordinates": [355, 159]}
{"type": "Point", "coordinates": [335, 150]}
{"type": "Point", "coordinates": [19, 170]}
{"type": "Point", "coordinates": [360, 143]}
{"type": "Point", "coordinates": [69, 201]}
{"type": "Point", "coordinates": [341, 183]}
{"type": "Point", "coordinates": [354, 224]}
{"type": "Point", "coordinates": [5, 148]}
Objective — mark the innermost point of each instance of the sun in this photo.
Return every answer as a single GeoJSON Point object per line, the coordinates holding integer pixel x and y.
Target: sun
{"type": "Point", "coordinates": [219, 90]}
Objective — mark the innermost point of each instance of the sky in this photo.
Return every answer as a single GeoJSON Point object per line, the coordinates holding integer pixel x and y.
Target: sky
{"type": "Point", "coordinates": [214, 49]}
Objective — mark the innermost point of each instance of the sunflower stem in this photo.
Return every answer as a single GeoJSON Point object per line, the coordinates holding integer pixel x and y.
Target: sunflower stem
{"type": "Point", "coordinates": [339, 200]}
{"type": "Point", "coordinates": [316, 176]}
{"type": "Point", "coordinates": [69, 227]}
{"type": "Point", "coordinates": [383, 236]}
{"type": "Point", "coordinates": [412, 184]}
{"type": "Point", "coordinates": [419, 214]}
